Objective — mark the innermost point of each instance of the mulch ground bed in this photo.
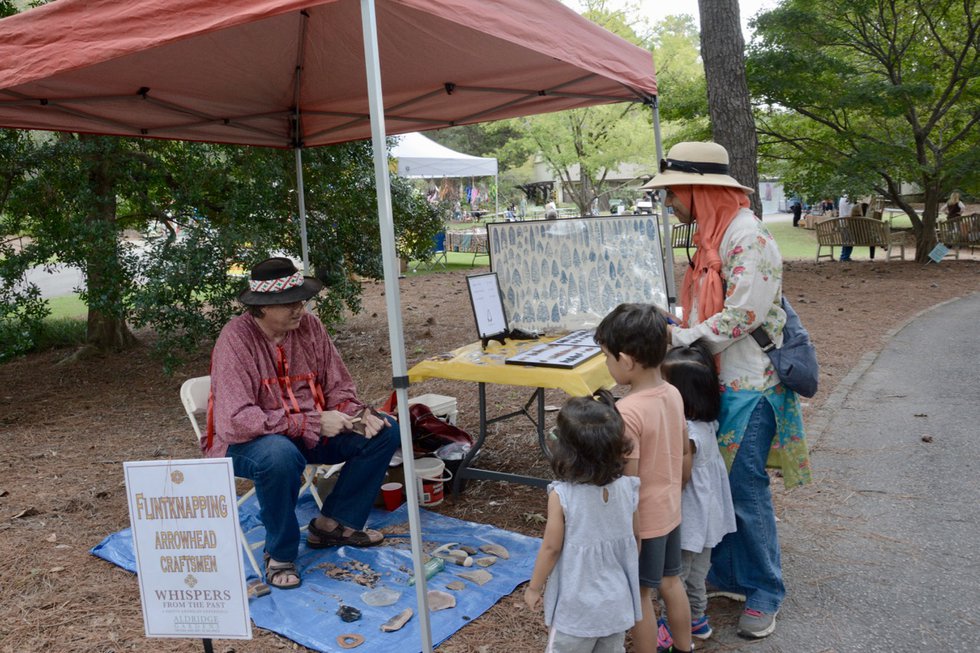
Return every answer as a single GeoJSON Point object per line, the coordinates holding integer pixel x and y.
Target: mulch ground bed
{"type": "Point", "coordinates": [67, 428]}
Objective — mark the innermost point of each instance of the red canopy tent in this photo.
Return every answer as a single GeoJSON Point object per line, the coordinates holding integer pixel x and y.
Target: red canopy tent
{"type": "Point", "coordinates": [237, 71]}
{"type": "Point", "coordinates": [301, 73]}
{"type": "Point", "coordinates": [291, 73]}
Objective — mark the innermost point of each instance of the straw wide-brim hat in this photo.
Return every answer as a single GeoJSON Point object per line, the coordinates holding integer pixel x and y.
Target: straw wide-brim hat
{"type": "Point", "coordinates": [278, 281]}
{"type": "Point", "coordinates": [695, 163]}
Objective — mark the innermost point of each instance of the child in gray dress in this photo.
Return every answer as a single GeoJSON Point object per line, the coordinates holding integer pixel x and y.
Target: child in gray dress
{"type": "Point", "coordinates": [589, 551]}
{"type": "Point", "coordinates": [706, 500]}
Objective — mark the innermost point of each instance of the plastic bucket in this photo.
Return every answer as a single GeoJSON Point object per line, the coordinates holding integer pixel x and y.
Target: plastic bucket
{"type": "Point", "coordinates": [431, 474]}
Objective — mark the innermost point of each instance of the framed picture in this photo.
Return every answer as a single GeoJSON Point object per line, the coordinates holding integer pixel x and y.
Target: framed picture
{"type": "Point", "coordinates": [487, 303]}
{"type": "Point", "coordinates": [566, 275]}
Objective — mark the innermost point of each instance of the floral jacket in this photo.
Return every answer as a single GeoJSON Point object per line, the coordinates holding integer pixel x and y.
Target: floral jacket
{"type": "Point", "coordinates": [752, 270]}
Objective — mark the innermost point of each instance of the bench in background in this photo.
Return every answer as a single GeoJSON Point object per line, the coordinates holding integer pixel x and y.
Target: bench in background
{"type": "Point", "coordinates": [858, 232]}
{"type": "Point", "coordinates": [961, 231]}
{"type": "Point", "coordinates": [682, 235]}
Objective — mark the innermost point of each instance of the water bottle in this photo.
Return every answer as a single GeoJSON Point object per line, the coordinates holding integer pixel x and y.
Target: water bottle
{"type": "Point", "coordinates": [430, 569]}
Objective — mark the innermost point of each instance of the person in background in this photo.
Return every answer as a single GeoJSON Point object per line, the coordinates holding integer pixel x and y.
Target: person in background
{"type": "Point", "coordinates": [633, 338]}
{"type": "Point", "coordinates": [282, 398]}
{"type": "Point", "coordinates": [589, 551]}
{"type": "Point", "coordinates": [797, 211]}
{"type": "Point", "coordinates": [863, 210]}
{"type": "Point", "coordinates": [550, 210]}
{"type": "Point", "coordinates": [954, 207]}
{"type": "Point", "coordinates": [827, 206]}
{"type": "Point", "coordinates": [844, 210]}
{"type": "Point", "coordinates": [707, 514]}
{"type": "Point", "coordinates": [733, 286]}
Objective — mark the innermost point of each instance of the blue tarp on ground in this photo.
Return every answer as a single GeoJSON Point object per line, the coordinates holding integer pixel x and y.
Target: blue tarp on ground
{"type": "Point", "coordinates": [307, 615]}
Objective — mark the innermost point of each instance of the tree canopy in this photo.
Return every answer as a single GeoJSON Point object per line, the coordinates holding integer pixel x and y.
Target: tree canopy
{"type": "Point", "coordinates": [582, 147]}
{"type": "Point", "coordinates": [676, 46]}
{"type": "Point", "coordinates": [206, 211]}
{"type": "Point", "coordinates": [865, 95]}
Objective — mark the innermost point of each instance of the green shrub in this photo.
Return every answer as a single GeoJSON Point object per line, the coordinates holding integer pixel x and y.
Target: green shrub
{"type": "Point", "coordinates": [58, 333]}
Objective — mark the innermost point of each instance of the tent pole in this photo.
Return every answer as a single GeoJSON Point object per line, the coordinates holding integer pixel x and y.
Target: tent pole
{"type": "Point", "coordinates": [496, 197]}
{"type": "Point", "coordinates": [372, 65]}
{"type": "Point", "coordinates": [301, 199]}
{"type": "Point", "coordinates": [668, 250]}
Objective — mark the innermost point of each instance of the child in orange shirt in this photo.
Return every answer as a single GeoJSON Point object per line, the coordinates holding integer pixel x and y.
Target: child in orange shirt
{"type": "Point", "coordinates": [634, 339]}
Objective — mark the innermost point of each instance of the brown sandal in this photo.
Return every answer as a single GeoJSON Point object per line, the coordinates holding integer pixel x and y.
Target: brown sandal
{"type": "Point", "coordinates": [336, 537]}
{"type": "Point", "coordinates": [276, 572]}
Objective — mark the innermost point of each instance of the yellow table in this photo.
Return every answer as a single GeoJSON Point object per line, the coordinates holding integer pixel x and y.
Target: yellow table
{"type": "Point", "coordinates": [473, 363]}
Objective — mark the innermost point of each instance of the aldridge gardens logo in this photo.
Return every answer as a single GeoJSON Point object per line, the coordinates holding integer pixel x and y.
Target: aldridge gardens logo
{"type": "Point", "coordinates": [196, 623]}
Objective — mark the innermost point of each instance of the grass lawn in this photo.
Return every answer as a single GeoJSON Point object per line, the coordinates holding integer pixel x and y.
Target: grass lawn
{"type": "Point", "coordinates": [67, 307]}
{"type": "Point", "coordinates": [454, 261]}
{"type": "Point", "coordinates": [795, 243]}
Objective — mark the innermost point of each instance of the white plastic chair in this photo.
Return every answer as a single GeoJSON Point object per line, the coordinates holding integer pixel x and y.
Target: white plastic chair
{"type": "Point", "coordinates": [194, 395]}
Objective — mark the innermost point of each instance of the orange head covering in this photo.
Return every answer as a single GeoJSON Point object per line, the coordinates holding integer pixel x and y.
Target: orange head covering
{"type": "Point", "coordinates": [713, 208]}
{"type": "Point", "coordinates": [697, 174]}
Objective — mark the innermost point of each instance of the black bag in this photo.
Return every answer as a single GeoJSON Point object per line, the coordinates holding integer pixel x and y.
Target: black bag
{"type": "Point", "coordinates": [796, 361]}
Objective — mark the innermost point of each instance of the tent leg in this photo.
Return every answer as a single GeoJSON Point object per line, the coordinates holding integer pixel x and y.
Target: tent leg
{"type": "Point", "coordinates": [668, 251]}
{"type": "Point", "coordinates": [301, 199]}
{"type": "Point", "coordinates": [372, 67]}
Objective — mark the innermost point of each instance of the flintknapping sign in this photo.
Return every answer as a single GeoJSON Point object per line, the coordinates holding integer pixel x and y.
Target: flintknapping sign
{"type": "Point", "coordinates": [184, 520]}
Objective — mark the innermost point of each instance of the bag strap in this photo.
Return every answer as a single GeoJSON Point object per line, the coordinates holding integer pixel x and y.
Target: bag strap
{"type": "Point", "coordinates": [760, 336]}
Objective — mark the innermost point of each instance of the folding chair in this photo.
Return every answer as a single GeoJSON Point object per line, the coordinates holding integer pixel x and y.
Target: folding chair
{"type": "Point", "coordinates": [194, 394]}
{"type": "Point", "coordinates": [437, 255]}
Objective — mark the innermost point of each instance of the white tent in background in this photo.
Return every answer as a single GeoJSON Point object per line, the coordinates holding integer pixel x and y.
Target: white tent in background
{"type": "Point", "coordinates": [420, 157]}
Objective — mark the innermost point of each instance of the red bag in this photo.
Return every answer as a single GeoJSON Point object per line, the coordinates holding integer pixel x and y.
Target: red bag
{"type": "Point", "coordinates": [429, 433]}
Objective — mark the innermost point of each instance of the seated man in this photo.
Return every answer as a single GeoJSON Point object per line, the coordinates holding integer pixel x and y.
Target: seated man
{"type": "Point", "coordinates": [282, 398]}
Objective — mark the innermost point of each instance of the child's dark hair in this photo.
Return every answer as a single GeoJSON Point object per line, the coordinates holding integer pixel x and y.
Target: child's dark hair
{"type": "Point", "coordinates": [638, 330]}
{"type": "Point", "coordinates": [592, 444]}
{"type": "Point", "coordinates": [692, 371]}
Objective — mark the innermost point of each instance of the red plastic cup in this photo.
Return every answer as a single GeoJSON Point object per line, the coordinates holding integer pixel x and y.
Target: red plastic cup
{"type": "Point", "coordinates": [393, 495]}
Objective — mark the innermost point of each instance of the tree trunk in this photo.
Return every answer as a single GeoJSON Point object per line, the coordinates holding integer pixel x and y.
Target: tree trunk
{"type": "Point", "coordinates": [925, 231]}
{"type": "Point", "coordinates": [732, 124]}
{"type": "Point", "coordinates": [588, 192]}
{"type": "Point", "coordinates": [106, 327]}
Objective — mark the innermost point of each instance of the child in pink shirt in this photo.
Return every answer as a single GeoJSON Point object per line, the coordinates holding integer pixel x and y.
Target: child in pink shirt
{"type": "Point", "coordinates": [634, 339]}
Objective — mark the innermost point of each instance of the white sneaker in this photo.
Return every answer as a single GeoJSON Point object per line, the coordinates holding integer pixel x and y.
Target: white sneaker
{"type": "Point", "coordinates": [755, 624]}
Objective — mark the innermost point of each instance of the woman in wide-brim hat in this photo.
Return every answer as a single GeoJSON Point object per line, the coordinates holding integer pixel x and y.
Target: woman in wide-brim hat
{"type": "Point", "coordinates": [704, 164]}
{"type": "Point", "coordinates": [733, 286]}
